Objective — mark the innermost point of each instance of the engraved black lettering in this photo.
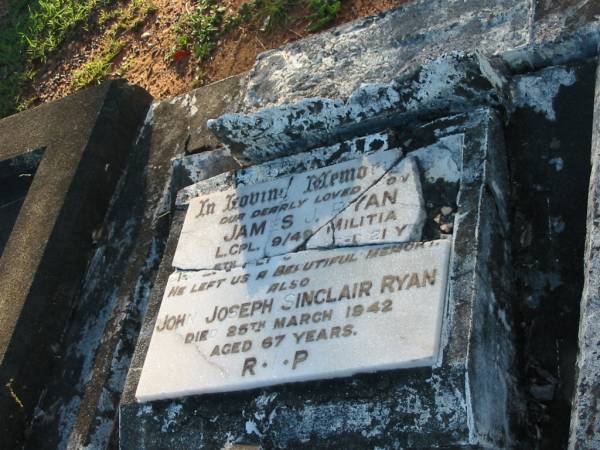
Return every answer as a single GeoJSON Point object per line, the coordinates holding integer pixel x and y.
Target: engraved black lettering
{"type": "Point", "coordinates": [365, 288]}
{"type": "Point", "coordinates": [239, 231]}
{"type": "Point", "coordinates": [288, 221]}
{"type": "Point", "coordinates": [429, 277]}
{"type": "Point", "coordinates": [299, 357]}
{"type": "Point", "coordinates": [347, 330]}
{"type": "Point", "coordinates": [400, 229]}
{"type": "Point", "coordinates": [176, 291]}
{"type": "Point", "coordinates": [414, 281]}
{"type": "Point", "coordinates": [214, 315]}
{"type": "Point", "coordinates": [249, 364]}
{"type": "Point", "coordinates": [207, 207]}
{"type": "Point", "coordinates": [262, 274]}
{"type": "Point", "coordinates": [299, 336]}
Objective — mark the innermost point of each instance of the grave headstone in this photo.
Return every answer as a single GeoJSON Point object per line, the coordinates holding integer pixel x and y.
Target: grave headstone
{"type": "Point", "coordinates": [278, 311]}
{"type": "Point", "coordinates": [385, 185]}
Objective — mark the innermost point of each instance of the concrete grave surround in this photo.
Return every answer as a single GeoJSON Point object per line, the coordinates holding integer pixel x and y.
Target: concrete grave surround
{"type": "Point", "coordinates": [337, 313]}
{"type": "Point", "coordinates": [119, 220]}
{"type": "Point", "coordinates": [462, 155]}
{"type": "Point", "coordinates": [379, 84]}
{"type": "Point", "coordinates": [80, 145]}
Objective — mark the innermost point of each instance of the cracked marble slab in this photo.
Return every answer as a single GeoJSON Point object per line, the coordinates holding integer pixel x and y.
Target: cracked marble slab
{"type": "Point", "coordinates": [232, 227]}
{"type": "Point", "coordinates": [311, 315]}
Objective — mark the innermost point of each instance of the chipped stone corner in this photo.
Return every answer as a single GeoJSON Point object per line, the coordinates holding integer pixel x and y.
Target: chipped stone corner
{"type": "Point", "coordinates": [453, 83]}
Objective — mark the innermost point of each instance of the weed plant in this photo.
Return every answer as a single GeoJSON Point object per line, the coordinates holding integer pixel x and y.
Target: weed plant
{"type": "Point", "coordinates": [118, 22]}
{"type": "Point", "coordinates": [323, 13]}
{"type": "Point", "coordinates": [199, 31]}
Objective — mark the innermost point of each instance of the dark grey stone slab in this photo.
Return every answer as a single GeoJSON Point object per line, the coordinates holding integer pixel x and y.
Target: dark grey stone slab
{"type": "Point", "coordinates": [416, 408]}
{"type": "Point", "coordinates": [79, 406]}
{"type": "Point", "coordinates": [86, 139]}
{"type": "Point", "coordinates": [585, 418]}
{"type": "Point", "coordinates": [16, 175]}
{"type": "Point", "coordinates": [548, 141]}
{"type": "Point", "coordinates": [379, 49]}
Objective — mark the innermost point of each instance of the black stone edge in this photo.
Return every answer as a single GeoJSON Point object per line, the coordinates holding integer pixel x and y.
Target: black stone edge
{"type": "Point", "coordinates": [480, 282]}
{"type": "Point", "coordinates": [128, 408]}
{"type": "Point", "coordinates": [23, 162]}
{"type": "Point", "coordinates": [584, 430]}
{"type": "Point", "coordinates": [563, 47]}
{"type": "Point", "coordinates": [86, 138]}
{"type": "Point", "coordinates": [483, 136]}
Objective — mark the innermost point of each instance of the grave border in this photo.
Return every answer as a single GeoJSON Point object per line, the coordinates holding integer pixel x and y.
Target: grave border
{"type": "Point", "coordinates": [479, 284]}
{"type": "Point", "coordinates": [85, 139]}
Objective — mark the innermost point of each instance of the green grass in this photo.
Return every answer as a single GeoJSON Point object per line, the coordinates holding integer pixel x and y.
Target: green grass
{"type": "Point", "coordinates": [32, 31]}
{"type": "Point", "coordinates": [49, 23]}
{"type": "Point", "coordinates": [323, 13]}
{"type": "Point", "coordinates": [99, 68]}
{"type": "Point", "coordinates": [271, 14]}
{"type": "Point", "coordinates": [117, 22]}
{"type": "Point", "coordinates": [129, 17]}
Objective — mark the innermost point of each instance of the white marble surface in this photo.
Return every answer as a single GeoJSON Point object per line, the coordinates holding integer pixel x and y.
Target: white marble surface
{"type": "Point", "coordinates": [372, 199]}
{"type": "Point", "coordinates": [314, 314]}
{"type": "Point", "coordinates": [391, 210]}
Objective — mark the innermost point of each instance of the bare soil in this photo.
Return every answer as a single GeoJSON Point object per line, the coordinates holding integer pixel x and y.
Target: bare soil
{"type": "Point", "coordinates": [147, 62]}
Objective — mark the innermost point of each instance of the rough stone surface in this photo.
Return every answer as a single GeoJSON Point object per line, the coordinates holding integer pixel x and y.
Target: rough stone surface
{"type": "Point", "coordinates": [196, 107]}
{"type": "Point", "coordinates": [524, 33]}
{"type": "Point", "coordinates": [585, 418]}
{"type": "Point", "coordinates": [548, 142]}
{"type": "Point", "coordinates": [79, 408]}
{"type": "Point", "coordinates": [410, 408]}
{"type": "Point", "coordinates": [336, 63]}
{"type": "Point", "coordinates": [86, 138]}
{"type": "Point", "coordinates": [452, 83]}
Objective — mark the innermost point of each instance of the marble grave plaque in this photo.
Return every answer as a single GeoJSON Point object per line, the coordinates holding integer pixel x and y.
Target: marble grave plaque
{"type": "Point", "coordinates": [373, 199]}
{"type": "Point", "coordinates": [309, 315]}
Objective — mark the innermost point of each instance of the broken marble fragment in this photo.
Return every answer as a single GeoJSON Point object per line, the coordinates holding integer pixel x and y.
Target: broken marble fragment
{"type": "Point", "coordinates": [392, 209]}
{"type": "Point", "coordinates": [235, 226]}
{"type": "Point", "coordinates": [452, 83]}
